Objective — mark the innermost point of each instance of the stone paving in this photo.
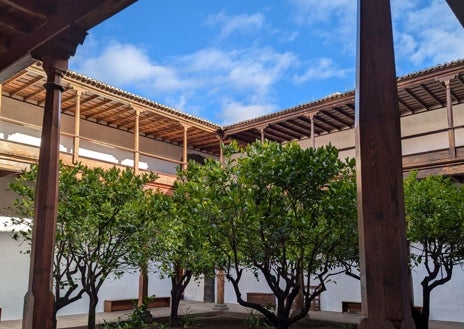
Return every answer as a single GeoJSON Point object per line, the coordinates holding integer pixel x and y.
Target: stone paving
{"type": "Point", "coordinates": [70, 321]}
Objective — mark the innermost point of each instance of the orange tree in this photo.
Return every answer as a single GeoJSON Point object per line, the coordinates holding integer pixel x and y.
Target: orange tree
{"type": "Point", "coordinates": [285, 213]}
{"type": "Point", "coordinates": [435, 218]}
{"type": "Point", "coordinates": [95, 227]}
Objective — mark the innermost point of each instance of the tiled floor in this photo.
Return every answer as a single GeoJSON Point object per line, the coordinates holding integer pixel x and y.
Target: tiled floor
{"type": "Point", "coordinates": [70, 321]}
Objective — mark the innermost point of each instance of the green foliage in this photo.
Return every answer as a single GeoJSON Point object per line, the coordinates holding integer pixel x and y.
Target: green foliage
{"type": "Point", "coordinates": [435, 227]}
{"type": "Point", "coordinates": [278, 210]}
{"type": "Point", "coordinates": [191, 320]}
{"type": "Point", "coordinates": [434, 212]}
{"type": "Point", "coordinates": [140, 318]}
{"type": "Point", "coordinates": [95, 228]}
{"type": "Point", "coordinates": [255, 321]}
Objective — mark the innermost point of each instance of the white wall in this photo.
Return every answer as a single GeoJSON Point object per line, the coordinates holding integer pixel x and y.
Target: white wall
{"type": "Point", "coordinates": [447, 301]}
{"type": "Point", "coordinates": [14, 272]}
{"type": "Point", "coordinates": [28, 113]}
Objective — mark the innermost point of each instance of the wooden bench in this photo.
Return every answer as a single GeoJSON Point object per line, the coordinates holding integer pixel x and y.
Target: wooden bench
{"type": "Point", "coordinates": [351, 307]}
{"type": "Point", "coordinates": [127, 304]}
{"type": "Point", "coordinates": [261, 298]}
{"type": "Point", "coordinates": [355, 307]}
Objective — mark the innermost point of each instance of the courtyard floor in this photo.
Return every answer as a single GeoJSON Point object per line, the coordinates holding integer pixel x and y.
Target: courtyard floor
{"type": "Point", "coordinates": [70, 321]}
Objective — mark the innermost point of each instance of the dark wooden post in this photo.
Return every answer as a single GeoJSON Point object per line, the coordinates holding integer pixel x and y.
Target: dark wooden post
{"type": "Point", "coordinates": [39, 300]}
{"type": "Point", "coordinates": [385, 286]}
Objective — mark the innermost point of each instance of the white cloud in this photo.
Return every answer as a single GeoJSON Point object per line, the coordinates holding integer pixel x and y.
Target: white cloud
{"type": "Point", "coordinates": [320, 69]}
{"type": "Point", "coordinates": [233, 111]}
{"type": "Point", "coordinates": [123, 65]}
{"type": "Point", "coordinates": [426, 33]}
{"type": "Point", "coordinates": [249, 72]}
{"type": "Point", "coordinates": [247, 78]}
{"type": "Point", "coordinates": [240, 23]}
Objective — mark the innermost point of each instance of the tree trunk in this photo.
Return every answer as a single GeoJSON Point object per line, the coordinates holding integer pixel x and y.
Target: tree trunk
{"type": "Point", "coordinates": [179, 281]}
{"type": "Point", "coordinates": [92, 310]}
{"type": "Point", "coordinates": [175, 301]}
{"type": "Point", "coordinates": [425, 304]}
{"type": "Point", "coordinates": [281, 324]}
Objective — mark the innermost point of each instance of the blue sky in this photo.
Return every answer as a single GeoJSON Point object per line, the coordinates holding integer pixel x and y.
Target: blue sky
{"type": "Point", "coordinates": [231, 60]}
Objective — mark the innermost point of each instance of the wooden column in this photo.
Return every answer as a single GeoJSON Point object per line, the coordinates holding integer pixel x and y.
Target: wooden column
{"type": "Point", "coordinates": [39, 300]}
{"type": "Point", "coordinates": [185, 146]}
{"type": "Point", "coordinates": [220, 305]}
{"type": "Point", "coordinates": [385, 286]}
{"type": "Point", "coordinates": [77, 126]}
{"type": "Point", "coordinates": [449, 113]}
{"type": "Point", "coordinates": [137, 141]}
{"type": "Point", "coordinates": [261, 131]}
{"type": "Point", "coordinates": [311, 116]}
{"type": "Point", "coordinates": [1, 97]}
{"type": "Point", "coordinates": [221, 151]}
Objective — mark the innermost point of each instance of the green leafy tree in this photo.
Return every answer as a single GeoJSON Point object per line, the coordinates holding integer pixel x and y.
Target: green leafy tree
{"type": "Point", "coordinates": [95, 227]}
{"type": "Point", "coordinates": [171, 242]}
{"type": "Point", "coordinates": [152, 210]}
{"type": "Point", "coordinates": [280, 211]}
{"type": "Point", "coordinates": [186, 250]}
{"type": "Point", "coordinates": [435, 218]}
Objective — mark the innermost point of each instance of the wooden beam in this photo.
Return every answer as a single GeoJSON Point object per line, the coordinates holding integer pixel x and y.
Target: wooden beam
{"type": "Point", "coordinates": [431, 94]}
{"type": "Point", "coordinates": [385, 285]}
{"type": "Point", "coordinates": [83, 14]}
{"type": "Point", "coordinates": [457, 6]}
{"type": "Point", "coordinates": [343, 122]}
{"type": "Point", "coordinates": [416, 99]}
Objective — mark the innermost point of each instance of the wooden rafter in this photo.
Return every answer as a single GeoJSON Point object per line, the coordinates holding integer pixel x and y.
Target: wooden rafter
{"type": "Point", "coordinates": [416, 99]}
{"type": "Point", "coordinates": [432, 95]}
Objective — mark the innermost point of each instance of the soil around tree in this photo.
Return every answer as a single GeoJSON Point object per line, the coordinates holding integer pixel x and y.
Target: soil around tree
{"type": "Point", "coordinates": [231, 320]}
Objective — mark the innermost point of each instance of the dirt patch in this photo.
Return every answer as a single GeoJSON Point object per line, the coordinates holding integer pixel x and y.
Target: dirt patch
{"type": "Point", "coordinates": [232, 320]}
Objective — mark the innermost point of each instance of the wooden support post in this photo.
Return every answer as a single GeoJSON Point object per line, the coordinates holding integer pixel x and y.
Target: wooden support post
{"type": "Point", "coordinates": [311, 116]}
{"type": "Point", "coordinates": [261, 132]}
{"type": "Point", "coordinates": [313, 138]}
{"type": "Point", "coordinates": [385, 286]}
{"type": "Point", "coordinates": [185, 146]}
{"type": "Point", "coordinates": [1, 97]}
{"type": "Point", "coordinates": [77, 126]}
{"type": "Point", "coordinates": [220, 282]}
{"type": "Point", "coordinates": [221, 152]}
{"type": "Point", "coordinates": [450, 116]}
{"type": "Point", "coordinates": [39, 300]}
{"type": "Point", "coordinates": [220, 305]}
{"type": "Point", "coordinates": [137, 141]}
